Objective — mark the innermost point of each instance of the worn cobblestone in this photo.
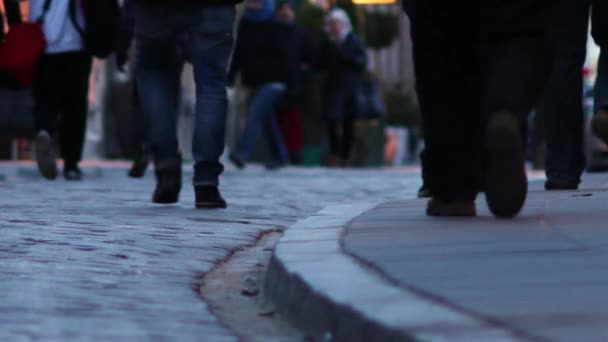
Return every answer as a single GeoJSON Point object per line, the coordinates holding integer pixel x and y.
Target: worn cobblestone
{"type": "Point", "coordinates": [97, 261]}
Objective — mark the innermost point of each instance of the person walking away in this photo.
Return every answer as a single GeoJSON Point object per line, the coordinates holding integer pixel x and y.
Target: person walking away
{"type": "Point", "coordinates": [138, 119]}
{"type": "Point", "coordinates": [141, 157]}
{"type": "Point", "coordinates": [562, 104]}
{"type": "Point", "coordinates": [480, 68]}
{"type": "Point", "coordinates": [289, 110]}
{"type": "Point", "coordinates": [209, 25]}
{"type": "Point", "coordinates": [264, 58]}
{"type": "Point", "coordinates": [343, 57]}
{"type": "Point", "coordinates": [60, 88]}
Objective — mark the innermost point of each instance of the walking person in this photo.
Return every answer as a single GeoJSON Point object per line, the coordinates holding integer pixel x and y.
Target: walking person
{"type": "Point", "coordinates": [209, 27]}
{"type": "Point", "coordinates": [562, 104]}
{"type": "Point", "coordinates": [61, 88]}
{"type": "Point", "coordinates": [289, 110]}
{"type": "Point", "coordinates": [141, 157]}
{"type": "Point", "coordinates": [266, 62]}
{"type": "Point", "coordinates": [480, 68]}
{"type": "Point", "coordinates": [344, 58]}
{"type": "Point", "coordinates": [139, 126]}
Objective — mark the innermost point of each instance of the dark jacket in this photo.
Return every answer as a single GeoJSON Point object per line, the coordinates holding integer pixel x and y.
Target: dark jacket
{"type": "Point", "coordinates": [345, 64]}
{"type": "Point", "coordinates": [262, 54]}
{"type": "Point", "coordinates": [13, 17]}
{"type": "Point", "coordinates": [303, 51]}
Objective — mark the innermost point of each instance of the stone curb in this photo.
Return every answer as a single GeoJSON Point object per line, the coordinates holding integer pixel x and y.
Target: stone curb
{"type": "Point", "coordinates": [335, 298]}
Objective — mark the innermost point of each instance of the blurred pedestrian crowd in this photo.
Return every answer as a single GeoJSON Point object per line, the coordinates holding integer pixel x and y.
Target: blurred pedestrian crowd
{"type": "Point", "coordinates": [481, 68]}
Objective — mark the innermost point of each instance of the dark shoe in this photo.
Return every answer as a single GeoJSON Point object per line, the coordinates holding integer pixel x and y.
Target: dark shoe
{"type": "Point", "coordinates": [72, 173]}
{"type": "Point", "coordinates": [138, 168]}
{"type": "Point", "coordinates": [168, 186]}
{"type": "Point", "coordinates": [436, 207]}
{"type": "Point", "coordinates": [238, 162]}
{"type": "Point", "coordinates": [552, 185]}
{"type": "Point", "coordinates": [209, 197]}
{"type": "Point", "coordinates": [506, 180]}
{"type": "Point", "coordinates": [424, 192]}
{"type": "Point", "coordinates": [45, 155]}
{"type": "Point", "coordinates": [599, 124]}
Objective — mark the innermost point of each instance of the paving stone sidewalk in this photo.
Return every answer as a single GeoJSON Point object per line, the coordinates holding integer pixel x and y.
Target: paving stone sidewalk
{"type": "Point", "coordinates": [389, 269]}
{"type": "Point", "coordinates": [95, 260]}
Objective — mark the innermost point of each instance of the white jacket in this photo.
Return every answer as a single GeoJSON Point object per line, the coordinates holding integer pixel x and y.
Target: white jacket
{"type": "Point", "coordinates": [59, 30]}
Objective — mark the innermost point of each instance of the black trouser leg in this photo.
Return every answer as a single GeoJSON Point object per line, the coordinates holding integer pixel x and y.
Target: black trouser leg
{"type": "Point", "coordinates": [517, 69]}
{"type": "Point", "coordinates": [471, 59]}
{"type": "Point", "coordinates": [72, 124]}
{"type": "Point", "coordinates": [139, 125]}
{"type": "Point", "coordinates": [47, 94]}
{"type": "Point", "coordinates": [562, 101]}
{"type": "Point", "coordinates": [348, 136]}
{"type": "Point", "coordinates": [446, 56]}
{"type": "Point", "coordinates": [333, 134]}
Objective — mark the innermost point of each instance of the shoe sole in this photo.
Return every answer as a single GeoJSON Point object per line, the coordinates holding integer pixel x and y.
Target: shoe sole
{"type": "Point", "coordinates": [167, 200]}
{"type": "Point", "coordinates": [449, 210]}
{"type": "Point", "coordinates": [599, 124]}
{"type": "Point", "coordinates": [210, 205]}
{"type": "Point", "coordinates": [506, 180]}
{"type": "Point", "coordinates": [45, 157]}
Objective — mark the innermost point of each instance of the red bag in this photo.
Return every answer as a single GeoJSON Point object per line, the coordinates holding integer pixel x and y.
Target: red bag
{"type": "Point", "coordinates": [21, 51]}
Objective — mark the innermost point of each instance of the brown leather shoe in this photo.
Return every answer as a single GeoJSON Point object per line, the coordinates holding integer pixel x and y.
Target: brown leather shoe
{"type": "Point", "coordinates": [437, 207]}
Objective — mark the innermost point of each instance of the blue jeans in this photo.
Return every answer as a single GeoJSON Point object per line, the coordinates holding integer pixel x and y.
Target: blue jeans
{"type": "Point", "coordinates": [158, 74]}
{"type": "Point", "coordinates": [261, 118]}
{"type": "Point", "coordinates": [562, 104]}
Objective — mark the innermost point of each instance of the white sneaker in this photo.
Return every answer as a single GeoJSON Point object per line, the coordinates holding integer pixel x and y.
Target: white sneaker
{"type": "Point", "coordinates": [45, 155]}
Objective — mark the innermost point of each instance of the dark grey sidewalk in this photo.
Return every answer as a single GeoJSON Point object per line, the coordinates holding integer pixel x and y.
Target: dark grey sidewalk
{"type": "Point", "coordinates": [541, 276]}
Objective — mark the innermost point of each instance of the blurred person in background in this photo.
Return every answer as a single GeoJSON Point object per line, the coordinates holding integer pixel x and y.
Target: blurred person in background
{"type": "Point", "coordinates": [343, 57]}
{"type": "Point", "coordinates": [141, 157]}
{"type": "Point", "coordinates": [209, 28]}
{"type": "Point", "coordinates": [61, 88]}
{"type": "Point", "coordinates": [289, 109]}
{"type": "Point", "coordinates": [265, 58]}
{"type": "Point", "coordinates": [562, 104]}
{"type": "Point", "coordinates": [480, 68]}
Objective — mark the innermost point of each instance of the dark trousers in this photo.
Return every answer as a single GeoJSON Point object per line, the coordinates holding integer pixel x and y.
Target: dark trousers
{"type": "Point", "coordinates": [341, 137]}
{"type": "Point", "coordinates": [472, 59]}
{"type": "Point", "coordinates": [139, 125]}
{"type": "Point", "coordinates": [562, 104]}
{"type": "Point", "coordinates": [61, 93]}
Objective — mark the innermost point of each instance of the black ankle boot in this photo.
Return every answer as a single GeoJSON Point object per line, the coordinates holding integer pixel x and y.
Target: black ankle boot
{"type": "Point", "coordinates": [209, 197]}
{"type": "Point", "coordinates": [168, 186]}
{"type": "Point", "coordinates": [139, 166]}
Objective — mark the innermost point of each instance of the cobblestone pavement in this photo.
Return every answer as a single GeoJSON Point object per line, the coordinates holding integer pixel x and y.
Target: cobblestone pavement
{"type": "Point", "coordinates": [97, 261]}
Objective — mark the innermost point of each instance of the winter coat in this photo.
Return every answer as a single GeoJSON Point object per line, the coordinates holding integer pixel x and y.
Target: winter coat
{"type": "Point", "coordinates": [262, 54]}
{"type": "Point", "coordinates": [345, 64]}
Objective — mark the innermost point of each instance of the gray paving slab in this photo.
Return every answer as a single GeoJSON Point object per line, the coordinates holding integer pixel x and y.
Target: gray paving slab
{"type": "Point", "coordinates": [543, 273]}
{"type": "Point", "coordinates": [96, 260]}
